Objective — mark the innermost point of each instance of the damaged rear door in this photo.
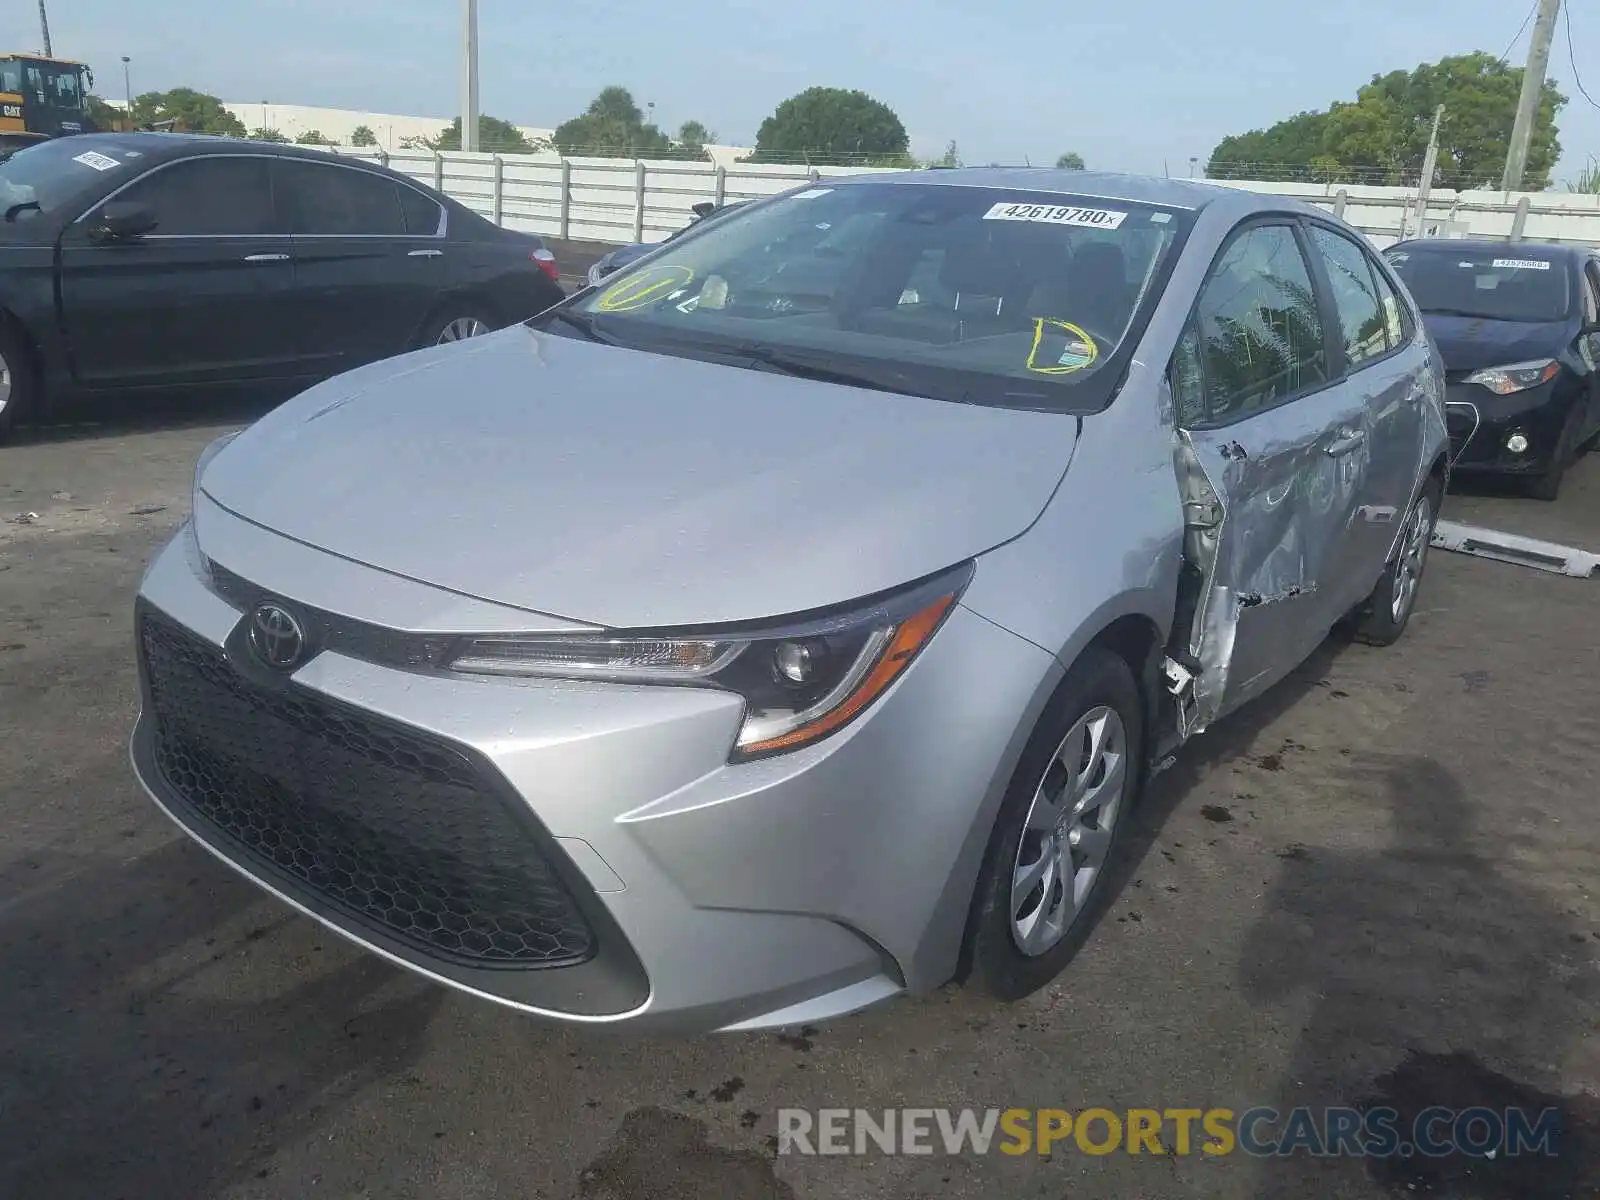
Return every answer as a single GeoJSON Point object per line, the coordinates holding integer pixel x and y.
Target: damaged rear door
{"type": "Point", "coordinates": [1273, 461]}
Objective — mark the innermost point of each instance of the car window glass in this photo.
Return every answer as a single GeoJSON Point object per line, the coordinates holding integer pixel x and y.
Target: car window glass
{"type": "Point", "coordinates": [1491, 283]}
{"type": "Point", "coordinates": [421, 214]}
{"type": "Point", "coordinates": [1354, 295]}
{"type": "Point", "coordinates": [330, 200]}
{"type": "Point", "coordinates": [1394, 321]}
{"type": "Point", "coordinates": [1258, 336]}
{"type": "Point", "coordinates": [1591, 295]}
{"type": "Point", "coordinates": [207, 197]}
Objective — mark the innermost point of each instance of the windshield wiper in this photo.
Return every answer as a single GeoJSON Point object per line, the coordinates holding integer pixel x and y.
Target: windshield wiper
{"type": "Point", "coordinates": [582, 322]}
{"type": "Point", "coordinates": [822, 370]}
{"type": "Point", "coordinates": [21, 206]}
{"type": "Point", "coordinates": [1461, 312]}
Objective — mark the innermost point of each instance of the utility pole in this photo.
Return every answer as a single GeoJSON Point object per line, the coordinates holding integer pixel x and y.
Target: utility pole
{"type": "Point", "coordinates": [469, 77]}
{"type": "Point", "coordinates": [1544, 29]}
{"type": "Point", "coordinates": [44, 28]}
{"type": "Point", "coordinates": [127, 84]}
{"type": "Point", "coordinates": [1429, 161]}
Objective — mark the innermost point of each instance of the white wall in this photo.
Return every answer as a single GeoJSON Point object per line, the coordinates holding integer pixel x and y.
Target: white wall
{"type": "Point", "coordinates": [617, 200]}
{"type": "Point", "coordinates": [292, 120]}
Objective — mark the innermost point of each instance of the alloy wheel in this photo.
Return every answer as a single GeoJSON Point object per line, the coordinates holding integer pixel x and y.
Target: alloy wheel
{"type": "Point", "coordinates": [1067, 838]}
{"type": "Point", "coordinates": [1413, 554]}
{"type": "Point", "coordinates": [5, 384]}
{"type": "Point", "coordinates": [462, 328]}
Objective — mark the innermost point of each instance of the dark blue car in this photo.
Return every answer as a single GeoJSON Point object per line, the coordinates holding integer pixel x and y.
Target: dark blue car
{"type": "Point", "coordinates": [616, 259]}
{"type": "Point", "coordinates": [1518, 324]}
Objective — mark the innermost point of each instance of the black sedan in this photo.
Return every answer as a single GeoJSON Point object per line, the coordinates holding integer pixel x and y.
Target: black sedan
{"type": "Point", "coordinates": [616, 259]}
{"type": "Point", "coordinates": [1518, 324]}
{"type": "Point", "coordinates": [171, 261]}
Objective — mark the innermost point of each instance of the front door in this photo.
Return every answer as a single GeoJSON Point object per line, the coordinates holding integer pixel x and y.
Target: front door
{"type": "Point", "coordinates": [1274, 460]}
{"type": "Point", "coordinates": [204, 297]}
{"type": "Point", "coordinates": [364, 283]}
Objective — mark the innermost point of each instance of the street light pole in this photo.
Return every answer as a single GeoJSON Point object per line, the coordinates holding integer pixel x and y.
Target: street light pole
{"type": "Point", "coordinates": [469, 76]}
{"type": "Point", "coordinates": [127, 84]}
{"type": "Point", "coordinates": [44, 28]}
{"type": "Point", "coordinates": [1544, 30]}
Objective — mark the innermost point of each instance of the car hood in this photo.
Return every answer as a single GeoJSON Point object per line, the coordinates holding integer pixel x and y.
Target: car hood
{"type": "Point", "coordinates": [1472, 343]}
{"type": "Point", "coordinates": [629, 489]}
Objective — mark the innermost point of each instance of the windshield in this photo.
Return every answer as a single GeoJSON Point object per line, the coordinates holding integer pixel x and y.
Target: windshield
{"type": "Point", "coordinates": [52, 174]}
{"type": "Point", "coordinates": [964, 292]}
{"type": "Point", "coordinates": [10, 76]}
{"type": "Point", "coordinates": [1495, 284]}
{"type": "Point", "coordinates": [54, 85]}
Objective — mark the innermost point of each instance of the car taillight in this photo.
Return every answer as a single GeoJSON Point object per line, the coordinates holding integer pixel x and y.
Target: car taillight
{"type": "Point", "coordinates": [547, 263]}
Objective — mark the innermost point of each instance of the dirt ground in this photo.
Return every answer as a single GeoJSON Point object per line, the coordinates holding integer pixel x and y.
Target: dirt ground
{"type": "Point", "coordinates": [1378, 883]}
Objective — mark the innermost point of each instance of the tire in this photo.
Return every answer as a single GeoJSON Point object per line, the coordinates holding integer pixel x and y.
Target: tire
{"type": "Point", "coordinates": [17, 381]}
{"type": "Point", "coordinates": [1023, 936]}
{"type": "Point", "coordinates": [1547, 486]}
{"type": "Point", "coordinates": [1383, 618]}
{"type": "Point", "coordinates": [457, 322]}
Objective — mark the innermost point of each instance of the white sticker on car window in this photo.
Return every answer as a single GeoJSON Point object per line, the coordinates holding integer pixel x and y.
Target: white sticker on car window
{"type": "Point", "coordinates": [1521, 264]}
{"type": "Point", "coordinates": [810, 193]}
{"type": "Point", "coordinates": [99, 162]}
{"type": "Point", "coordinates": [1056, 214]}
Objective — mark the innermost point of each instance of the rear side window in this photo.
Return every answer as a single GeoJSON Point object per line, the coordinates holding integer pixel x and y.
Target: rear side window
{"type": "Point", "coordinates": [422, 215]}
{"type": "Point", "coordinates": [1255, 339]}
{"type": "Point", "coordinates": [207, 197]}
{"type": "Point", "coordinates": [330, 200]}
{"type": "Point", "coordinates": [1355, 295]}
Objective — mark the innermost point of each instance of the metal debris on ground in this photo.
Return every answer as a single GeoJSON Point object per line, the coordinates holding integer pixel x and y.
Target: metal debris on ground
{"type": "Point", "coordinates": [25, 518]}
{"type": "Point", "coordinates": [1516, 549]}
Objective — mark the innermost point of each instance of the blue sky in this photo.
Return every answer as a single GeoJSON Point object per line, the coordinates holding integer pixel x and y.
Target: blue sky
{"type": "Point", "coordinates": [1134, 85]}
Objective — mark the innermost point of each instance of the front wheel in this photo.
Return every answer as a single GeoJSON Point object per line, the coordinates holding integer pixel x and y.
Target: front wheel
{"type": "Point", "coordinates": [16, 380]}
{"type": "Point", "coordinates": [457, 324]}
{"type": "Point", "coordinates": [1043, 883]}
{"type": "Point", "coordinates": [1387, 612]}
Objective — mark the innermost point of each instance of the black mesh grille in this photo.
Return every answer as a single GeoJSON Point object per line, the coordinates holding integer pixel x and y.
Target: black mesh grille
{"type": "Point", "coordinates": [395, 829]}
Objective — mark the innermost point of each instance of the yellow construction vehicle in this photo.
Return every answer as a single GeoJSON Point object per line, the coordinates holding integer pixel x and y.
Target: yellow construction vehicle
{"type": "Point", "coordinates": [42, 98]}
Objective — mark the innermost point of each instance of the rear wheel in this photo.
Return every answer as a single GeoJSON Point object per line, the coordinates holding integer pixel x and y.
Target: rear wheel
{"type": "Point", "coordinates": [1042, 887]}
{"type": "Point", "coordinates": [1384, 617]}
{"type": "Point", "coordinates": [457, 323]}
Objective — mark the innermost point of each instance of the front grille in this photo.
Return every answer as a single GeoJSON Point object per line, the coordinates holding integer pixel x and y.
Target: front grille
{"type": "Point", "coordinates": [395, 829]}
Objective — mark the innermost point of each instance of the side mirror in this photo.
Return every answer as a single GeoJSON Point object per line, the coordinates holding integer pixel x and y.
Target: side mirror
{"type": "Point", "coordinates": [118, 222]}
{"type": "Point", "coordinates": [704, 209]}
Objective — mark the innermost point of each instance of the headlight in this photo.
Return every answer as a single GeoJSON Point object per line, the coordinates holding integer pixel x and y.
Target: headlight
{"type": "Point", "coordinates": [801, 680]}
{"type": "Point", "coordinates": [1516, 377]}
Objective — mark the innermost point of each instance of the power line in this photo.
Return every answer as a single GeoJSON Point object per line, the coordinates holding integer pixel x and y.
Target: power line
{"type": "Point", "coordinates": [1517, 37]}
{"type": "Point", "coordinates": [1572, 56]}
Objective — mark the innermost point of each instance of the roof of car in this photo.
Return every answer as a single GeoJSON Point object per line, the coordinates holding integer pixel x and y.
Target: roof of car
{"type": "Point", "coordinates": [161, 145]}
{"type": "Point", "coordinates": [1107, 185]}
{"type": "Point", "coordinates": [1555, 250]}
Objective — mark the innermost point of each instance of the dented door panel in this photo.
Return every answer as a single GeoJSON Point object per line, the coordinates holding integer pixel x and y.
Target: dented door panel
{"type": "Point", "coordinates": [1280, 562]}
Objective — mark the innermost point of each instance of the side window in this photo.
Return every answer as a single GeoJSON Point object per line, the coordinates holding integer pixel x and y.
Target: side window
{"type": "Point", "coordinates": [1255, 338]}
{"type": "Point", "coordinates": [330, 200]}
{"type": "Point", "coordinates": [1355, 295]}
{"type": "Point", "coordinates": [1395, 324]}
{"type": "Point", "coordinates": [1591, 293]}
{"type": "Point", "coordinates": [422, 215]}
{"type": "Point", "coordinates": [213, 197]}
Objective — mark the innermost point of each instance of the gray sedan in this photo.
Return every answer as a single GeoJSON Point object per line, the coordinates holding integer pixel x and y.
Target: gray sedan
{"type": "Point", "coordinates": [792, 621]}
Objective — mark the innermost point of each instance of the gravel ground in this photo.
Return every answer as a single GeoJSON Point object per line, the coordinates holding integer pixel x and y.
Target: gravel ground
{"type": "Point", "coordinates": [1376, 883]}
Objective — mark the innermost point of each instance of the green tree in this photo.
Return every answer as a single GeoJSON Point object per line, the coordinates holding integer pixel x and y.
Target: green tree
{"type": "Point", "coordinates": [824, 124]}
{"type": "Point", "coordinates": [1382, 136]}
{"type": "Point", "coordinates": [262, 134]}
{"type": "Point", "coordinates": [104, 115]}
{"type": "Point", "coordinates": [363, 136]}
{"type": "Point", "coordinates": [614, 127]}
{"type": "Point", "coordinates": [1070, 161]}
{"type": "Point", "coordinates": [494, 136]}
{"type": "Point", "coordinates": [195, 111]}
{"type": "Point", "coordinates": [314, 137]}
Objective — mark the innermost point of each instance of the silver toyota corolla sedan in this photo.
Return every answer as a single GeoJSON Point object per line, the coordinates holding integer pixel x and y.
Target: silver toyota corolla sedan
{"type": "Point", "coordinates": [790, 621]}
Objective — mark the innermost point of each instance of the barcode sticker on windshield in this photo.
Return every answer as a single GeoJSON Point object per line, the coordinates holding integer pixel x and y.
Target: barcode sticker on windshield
{"type": "Point", "coordinates": [99, 162]}
{"type": "Point", "coordinates": [1521, 264]}
{"type": "Point", "coordinates": [1056, 214]}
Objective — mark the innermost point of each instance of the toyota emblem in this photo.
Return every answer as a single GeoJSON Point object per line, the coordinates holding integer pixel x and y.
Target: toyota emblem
{"type": "Point", "coordinates": [276, 636]}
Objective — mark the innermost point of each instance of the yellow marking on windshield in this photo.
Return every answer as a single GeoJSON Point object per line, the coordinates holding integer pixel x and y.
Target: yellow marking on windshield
{"type": "Point", "coordinates": [1076, 357]}
{"type": "Point", "coordinates": [638, 291]}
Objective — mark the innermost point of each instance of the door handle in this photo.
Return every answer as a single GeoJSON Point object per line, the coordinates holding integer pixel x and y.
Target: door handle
{"type": "Point", "coordinates": [424, 253]}
{"type": "Point", "coordinates": [266, 258]}
{"type": "Point", "coordinates": [1347, 441]}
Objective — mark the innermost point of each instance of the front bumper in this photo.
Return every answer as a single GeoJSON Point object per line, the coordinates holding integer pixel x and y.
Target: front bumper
{"type": "Point", "coordinates": [584, 851]}
{"type": "Point", "coordinates": [1480, 423]}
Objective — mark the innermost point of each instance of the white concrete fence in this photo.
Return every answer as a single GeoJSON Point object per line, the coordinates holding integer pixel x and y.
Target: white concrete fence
{"type": "Point", "coordinates": [620, 200]}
